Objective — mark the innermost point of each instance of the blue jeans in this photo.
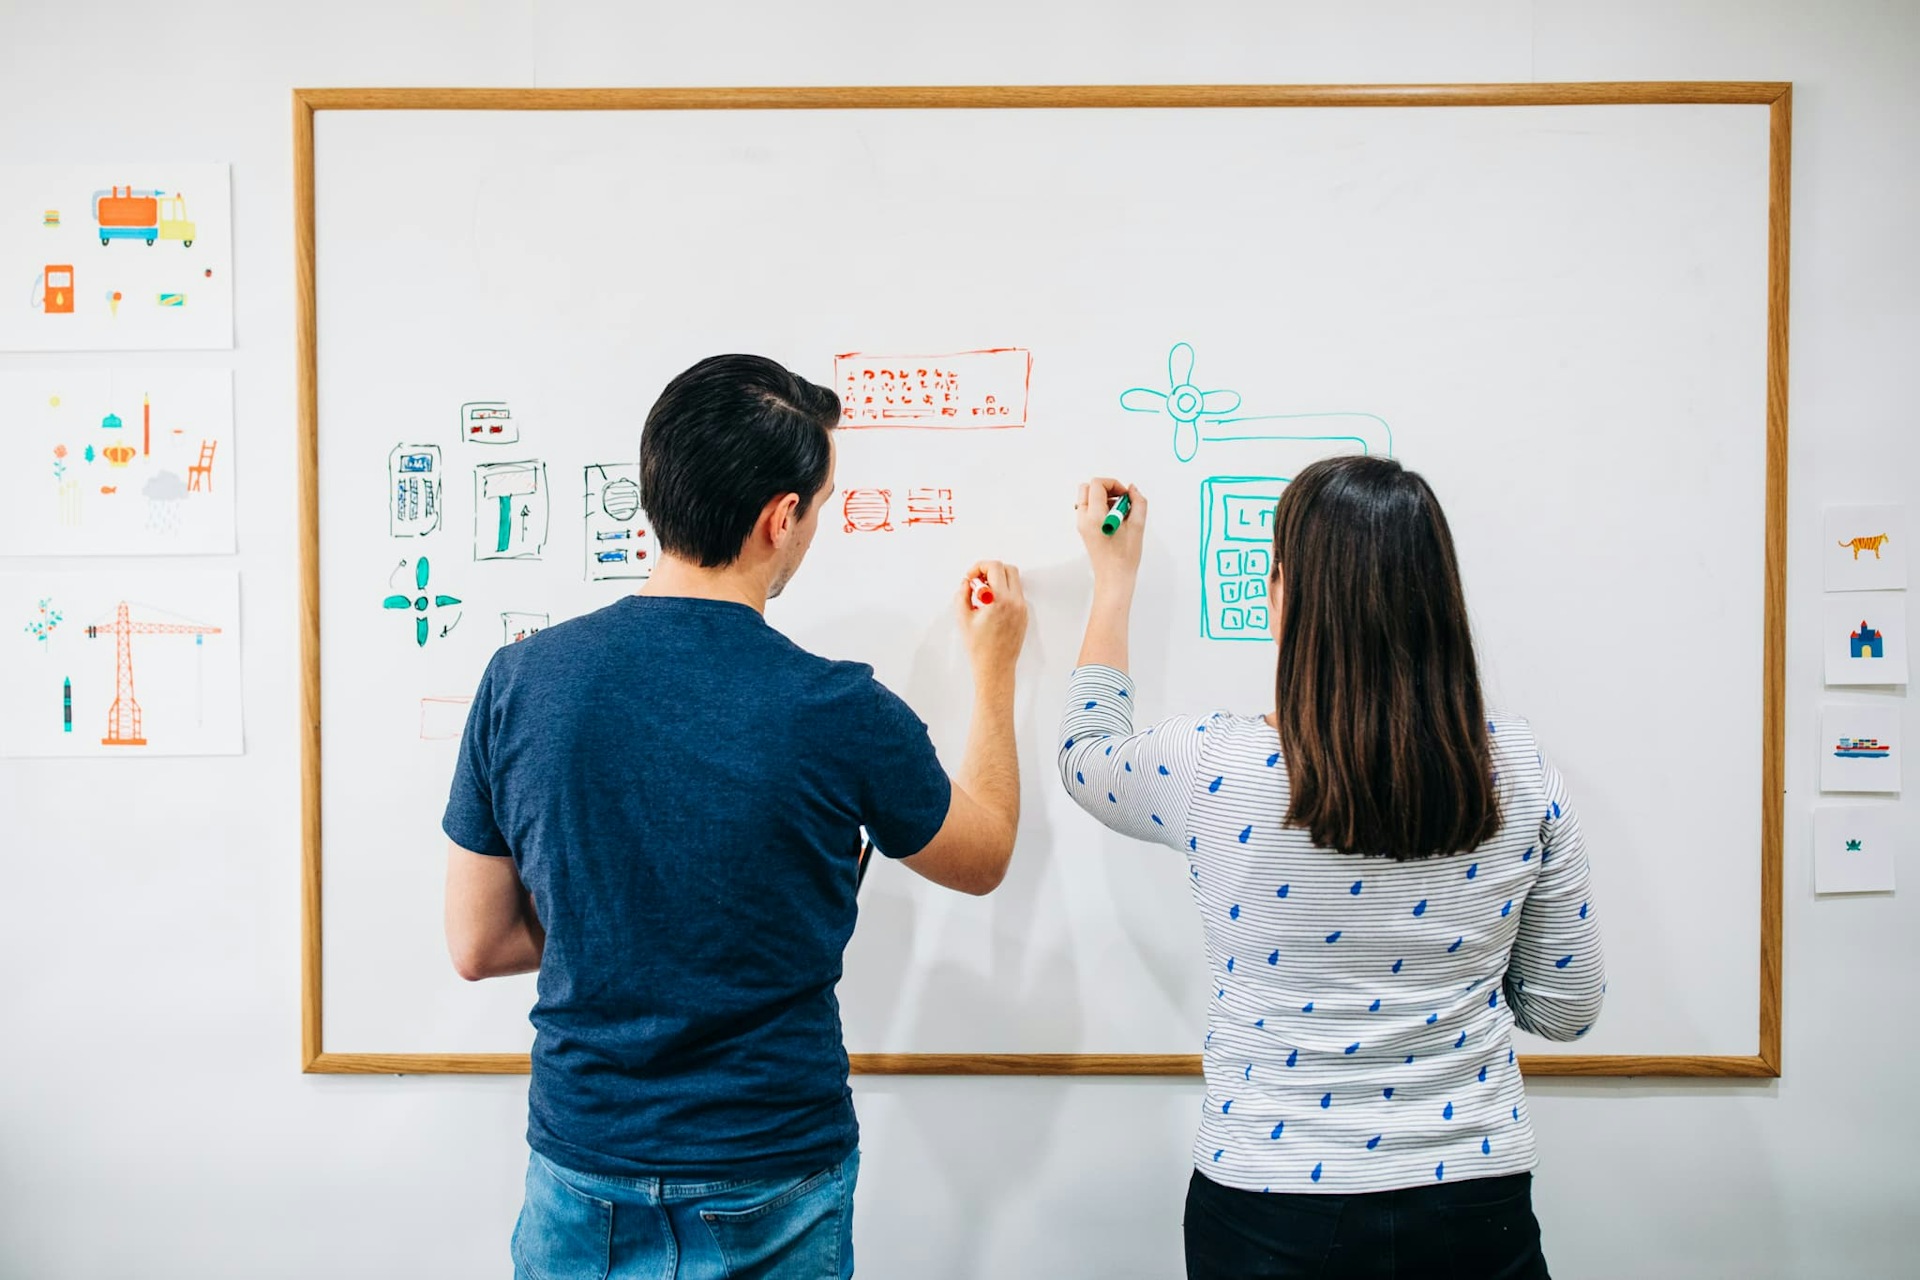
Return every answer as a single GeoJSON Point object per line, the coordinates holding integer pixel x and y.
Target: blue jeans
{"type": "Point", "coordinates": [583, 1226]}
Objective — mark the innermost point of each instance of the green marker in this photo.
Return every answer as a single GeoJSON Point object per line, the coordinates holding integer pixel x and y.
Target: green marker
{"type": "Point", "coordinates": [1116, 512]}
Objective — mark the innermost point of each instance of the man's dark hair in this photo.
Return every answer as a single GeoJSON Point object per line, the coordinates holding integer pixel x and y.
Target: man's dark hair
{"type": "Point", "coordinates": [725, 438]}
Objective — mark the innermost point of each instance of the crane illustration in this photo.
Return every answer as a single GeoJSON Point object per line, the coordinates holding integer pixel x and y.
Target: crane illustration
{"type": "Point", "coordinates": [123, 720]}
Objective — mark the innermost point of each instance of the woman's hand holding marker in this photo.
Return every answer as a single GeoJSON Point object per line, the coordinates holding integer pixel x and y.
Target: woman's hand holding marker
{"type": "Point", "coordinates": [1113, 524]}
{"type": "Point", "coordinates": [993, 616]}
{"type": "Point", "coordinates": [1112, 519]}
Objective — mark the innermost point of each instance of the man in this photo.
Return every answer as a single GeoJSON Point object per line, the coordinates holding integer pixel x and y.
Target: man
{"type": "Point", "coordinates": [657, 806]}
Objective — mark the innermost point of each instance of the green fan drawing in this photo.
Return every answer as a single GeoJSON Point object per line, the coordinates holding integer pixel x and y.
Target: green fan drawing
{"type": "Point", "coordinates": [418, 604]}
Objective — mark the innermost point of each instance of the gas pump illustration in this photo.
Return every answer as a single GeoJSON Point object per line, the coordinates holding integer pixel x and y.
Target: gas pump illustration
{"type": "Point", "coordinates": [53, 289]}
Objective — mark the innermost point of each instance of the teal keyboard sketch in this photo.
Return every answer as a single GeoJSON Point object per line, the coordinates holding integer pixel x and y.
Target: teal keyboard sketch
{"type": "Point", "coordinates": [1236, 555]}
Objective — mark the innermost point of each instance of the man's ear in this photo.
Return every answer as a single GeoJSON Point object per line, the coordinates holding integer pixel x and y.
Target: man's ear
{"type": "Point", "coordinates": [782, 517]}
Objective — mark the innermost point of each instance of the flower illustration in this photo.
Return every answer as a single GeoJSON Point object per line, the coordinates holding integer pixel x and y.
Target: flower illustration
{"type": "Point", "coordinates": [44, 622]}
{"type": "Point", "coordinates": [1185, 403]}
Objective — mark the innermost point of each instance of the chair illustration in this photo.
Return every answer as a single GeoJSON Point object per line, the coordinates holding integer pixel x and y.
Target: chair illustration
{"type": "Point", "coordinates": [203, 469]}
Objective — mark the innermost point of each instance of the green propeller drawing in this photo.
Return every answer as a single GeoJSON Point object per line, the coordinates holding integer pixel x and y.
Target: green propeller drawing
{"type": "Point", "coordinates": [418, 604]}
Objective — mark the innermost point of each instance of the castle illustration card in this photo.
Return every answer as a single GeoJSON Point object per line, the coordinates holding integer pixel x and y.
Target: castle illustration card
{"type": "Point", "coordinates": [1864, 637]}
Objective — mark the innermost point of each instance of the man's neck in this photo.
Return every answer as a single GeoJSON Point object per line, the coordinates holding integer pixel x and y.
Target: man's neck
{"type": "Point", "coordinates": [738, 583]}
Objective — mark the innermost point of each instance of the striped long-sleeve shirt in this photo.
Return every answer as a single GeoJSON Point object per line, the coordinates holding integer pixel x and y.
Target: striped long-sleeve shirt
{"type": "Point", "coordinates": [1360, 1026]}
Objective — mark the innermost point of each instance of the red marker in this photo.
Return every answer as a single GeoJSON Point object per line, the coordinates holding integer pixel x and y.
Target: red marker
{"type": "Point", "coordinates": [982, 593]}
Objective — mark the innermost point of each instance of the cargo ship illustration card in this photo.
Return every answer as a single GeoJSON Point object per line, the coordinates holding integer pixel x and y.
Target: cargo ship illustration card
{"type": "Point", "coordinates": [1860, 747]}
{"type": "Point", "coordinates": [116, 257]}
{"type": "Point", "coordinates": [1865, 637]}
{"type": "Point", "coordinates": [1865, 548]}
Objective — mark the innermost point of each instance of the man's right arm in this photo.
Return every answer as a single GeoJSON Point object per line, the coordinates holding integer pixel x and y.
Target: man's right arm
{"type": "Point", "coordinates": [971, 850]}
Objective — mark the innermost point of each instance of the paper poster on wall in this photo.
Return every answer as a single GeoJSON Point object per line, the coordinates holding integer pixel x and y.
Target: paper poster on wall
{"type": "Point", "coordinates": [127, 663]}
{"type": "Point", "coordinates": [1864, 637]}
{"type": "Point", "coordinates": [116, 257]}
{"type": "Point", "coordinates": [1854, 847]}
{"type": "Point", "coordinates": [1860, 747]}
{"type": "Point", "coordinates": [1865, 548]}
{"type": "Point", "coordinates": [117, 462]}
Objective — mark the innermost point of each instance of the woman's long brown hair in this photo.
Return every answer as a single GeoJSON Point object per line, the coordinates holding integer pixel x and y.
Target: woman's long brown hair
{"type": "Point", "coordinates": [1379, 706]}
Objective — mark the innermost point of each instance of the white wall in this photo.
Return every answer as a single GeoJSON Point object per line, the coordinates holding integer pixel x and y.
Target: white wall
{"type": "Point", "coordinates": [152, 1118]}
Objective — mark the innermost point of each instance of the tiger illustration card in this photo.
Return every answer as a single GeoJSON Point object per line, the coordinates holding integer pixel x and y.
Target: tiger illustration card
{"type": "Point", "coordinates": [1866, 548]}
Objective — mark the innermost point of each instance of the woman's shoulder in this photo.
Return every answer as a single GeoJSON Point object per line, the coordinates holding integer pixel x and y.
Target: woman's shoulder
{"type": "Point", "coordinates": [1229, 730]}
{"type": "Point", "coordinates": [1517, 758]}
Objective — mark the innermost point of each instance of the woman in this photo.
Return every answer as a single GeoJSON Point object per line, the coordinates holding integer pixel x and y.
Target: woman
{"type": "Point", "coordinates": [1391, 880]}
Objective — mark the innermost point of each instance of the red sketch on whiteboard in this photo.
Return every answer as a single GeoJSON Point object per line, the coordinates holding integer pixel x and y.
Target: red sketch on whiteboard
{"type": "Point", "coordinates": [963, 391]}
{"type": "Point", "coordinates": [927, 505]}
{"type": "Point", "coordinates": [443, 719]}
{"type": "Point", "coordinates": [868, 511]}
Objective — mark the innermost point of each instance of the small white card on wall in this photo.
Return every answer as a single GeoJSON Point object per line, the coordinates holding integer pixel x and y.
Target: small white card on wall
{"type": "Point", "coordinates": [1860, 747]}
{"type": "Point", "coordinates": [1854, 848]}
{"type": "Point", "coordinates": [1866, 548]}
{"type": "Point", "coordinates": [1865, 638]}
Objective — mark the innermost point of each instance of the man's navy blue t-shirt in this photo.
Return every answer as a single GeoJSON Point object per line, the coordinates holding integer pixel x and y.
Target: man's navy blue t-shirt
{"type": "Point", "coordinates": [681, 789]}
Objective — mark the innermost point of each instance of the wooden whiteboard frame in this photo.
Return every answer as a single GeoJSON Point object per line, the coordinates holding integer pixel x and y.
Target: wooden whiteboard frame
{"type": "Point", "coordinates": [1764, 1062]}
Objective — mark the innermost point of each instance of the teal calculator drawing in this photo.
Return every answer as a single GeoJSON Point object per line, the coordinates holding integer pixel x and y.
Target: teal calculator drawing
{"type": "Point", "coordinates": [1236, 555]}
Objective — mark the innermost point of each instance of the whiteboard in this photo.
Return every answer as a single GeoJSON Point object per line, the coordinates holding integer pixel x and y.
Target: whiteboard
{"type": "Point", "coordinates": [1558, 314]}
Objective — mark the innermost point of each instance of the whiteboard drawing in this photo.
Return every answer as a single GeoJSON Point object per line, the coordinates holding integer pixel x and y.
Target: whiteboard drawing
{"type": "Point", "coordinates": [443, 719]}
{"type": "Point", "coordinates": [1236, 555]}
{"type": "Point", "coordinates": [488, 422]}
{"type": "Point", "coordinates": [929, 505]}
{"type": "Point", "coordinates": [413, 490]}
{"type": "Point", "coordinates": [618, 540]}
{"type": "Point", "coordinates": [1212, 416]}
{"type": "Point", "coordinates": [867, 511]}
{"type": "Point", "coordinates": [120, 663]}
{"type": "Point", "coordinates": [427, 607]}
{"type": "Point", "coordinates": [516, 627]}
{"type": "Point", "coordinates": [966, 390]}
{"type": "Point", "coordinates": [139, 462]}
{"type": "Point", "coordinates": [116, 265]}
{"type": "Point", "coordinates": [509, 510]}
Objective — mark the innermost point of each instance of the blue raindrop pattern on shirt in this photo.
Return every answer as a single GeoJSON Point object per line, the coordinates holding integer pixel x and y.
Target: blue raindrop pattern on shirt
{"type": "Point", "coordinates": [1273, 1040]}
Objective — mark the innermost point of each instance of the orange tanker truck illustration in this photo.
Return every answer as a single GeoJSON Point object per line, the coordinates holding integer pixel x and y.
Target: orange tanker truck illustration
{"type": "Point", "coordinates": [126, 214]}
